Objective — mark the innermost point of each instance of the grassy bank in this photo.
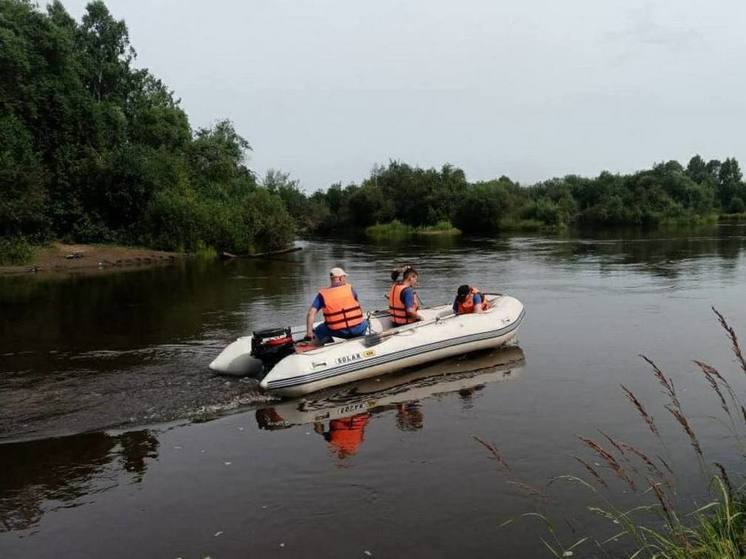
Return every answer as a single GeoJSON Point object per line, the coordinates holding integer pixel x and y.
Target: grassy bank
{"type": "Point", "coordinates": [397, 230]}
{"type": "Point", "coordinates": [732, 217]}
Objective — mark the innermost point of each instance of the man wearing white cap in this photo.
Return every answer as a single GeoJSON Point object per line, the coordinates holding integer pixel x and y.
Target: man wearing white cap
{"type": "Point", "coordinates": [343, 315]}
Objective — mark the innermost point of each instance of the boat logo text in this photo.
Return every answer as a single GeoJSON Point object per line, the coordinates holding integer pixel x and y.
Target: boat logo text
{"type": "Point", "coordinates": [355, 357]}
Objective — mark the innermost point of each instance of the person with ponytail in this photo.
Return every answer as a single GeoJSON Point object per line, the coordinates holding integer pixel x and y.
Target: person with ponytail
{"type": "Point", "coordinates": [403, 300]}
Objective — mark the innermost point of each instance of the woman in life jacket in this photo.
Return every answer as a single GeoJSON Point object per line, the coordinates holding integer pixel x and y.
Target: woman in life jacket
{"type": "Point", "coordinates": [343, 315]}
{"type": "Point", "coordinates": [469, 300]}
{"type": "Point", "coordinates": [403, 300]}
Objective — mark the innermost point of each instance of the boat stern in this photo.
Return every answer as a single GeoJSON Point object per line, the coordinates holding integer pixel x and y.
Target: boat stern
{"type": "Point", "coordinates": [236, 360]}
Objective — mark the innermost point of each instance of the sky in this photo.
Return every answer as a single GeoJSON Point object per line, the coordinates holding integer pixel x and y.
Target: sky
{"type": "Point", "coordinates": [534, 89]}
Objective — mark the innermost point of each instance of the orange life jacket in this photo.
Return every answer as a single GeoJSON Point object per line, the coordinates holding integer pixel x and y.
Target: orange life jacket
{"type": "Point", "coordinates": [341, 309]}
{"type": "Point", "coordinates": [467, 305]}
{"type": "Point", "coordinates": [396, 308]}
{"type": "Point", "coordinates": [346, 435]}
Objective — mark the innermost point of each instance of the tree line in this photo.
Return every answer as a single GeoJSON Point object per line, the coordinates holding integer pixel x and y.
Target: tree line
{"type": "Point", "coordinates": [666, 193]}
{"type": "Point", "coordinates": [94, 149]}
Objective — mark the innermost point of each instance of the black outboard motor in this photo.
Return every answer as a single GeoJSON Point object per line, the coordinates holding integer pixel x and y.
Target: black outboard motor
{"type": "Point", "coordinates": [271, 345]}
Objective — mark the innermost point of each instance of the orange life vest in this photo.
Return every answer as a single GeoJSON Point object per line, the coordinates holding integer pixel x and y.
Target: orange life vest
{"type": "Point", "coordinates": [467, 305]}
{"type": "Point", "coordinates": [396, 308]}
{"type": "Point", "coordinates": [346, 435]}
{"type": "Point", "coordinates": [341, 309]}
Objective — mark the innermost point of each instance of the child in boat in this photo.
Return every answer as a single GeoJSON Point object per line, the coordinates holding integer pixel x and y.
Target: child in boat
{"type": "Point", "coordinates": [469, 300]}
{"type": "Point", "coordinates": [403, 300]}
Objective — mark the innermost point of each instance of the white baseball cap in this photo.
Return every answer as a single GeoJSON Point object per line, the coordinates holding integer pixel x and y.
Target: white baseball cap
{"type": "Point", "coordinates": [337, 272]}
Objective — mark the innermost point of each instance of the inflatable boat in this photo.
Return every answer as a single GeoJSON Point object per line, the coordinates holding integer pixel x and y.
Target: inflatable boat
{"type": "Point", "coordinates": [287, 368]}
{"type": "Point", "coordinates": [466, 374]}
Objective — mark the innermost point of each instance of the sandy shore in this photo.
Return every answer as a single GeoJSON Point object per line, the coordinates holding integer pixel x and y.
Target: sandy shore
{"type": "Point", "coordinates": [60, 257]}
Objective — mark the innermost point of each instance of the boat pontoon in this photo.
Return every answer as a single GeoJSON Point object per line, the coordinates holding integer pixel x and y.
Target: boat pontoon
{"type": "Point", "coordinates": [287, 370]}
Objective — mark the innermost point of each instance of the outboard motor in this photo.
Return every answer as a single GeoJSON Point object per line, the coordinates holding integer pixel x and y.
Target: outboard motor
{"type": "Point", "coordinates": [271, 345]}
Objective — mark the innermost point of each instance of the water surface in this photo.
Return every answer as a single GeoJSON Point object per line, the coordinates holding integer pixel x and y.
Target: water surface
{"type": "Point", "coordinates": [116, 440]}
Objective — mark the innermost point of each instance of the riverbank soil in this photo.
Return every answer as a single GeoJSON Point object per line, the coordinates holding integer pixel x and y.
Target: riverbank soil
{"type": "Point", "coordinates": [64, 257]}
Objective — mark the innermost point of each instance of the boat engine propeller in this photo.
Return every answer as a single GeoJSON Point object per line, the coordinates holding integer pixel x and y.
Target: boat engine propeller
{"type": "Point", "coordinates": [271, 345]}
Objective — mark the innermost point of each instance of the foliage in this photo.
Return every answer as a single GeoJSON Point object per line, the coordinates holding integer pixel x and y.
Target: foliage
{"type": "Point", "coordinates": [94, 149]}
{"type": "Point", "coordinates": [15, 251]}
{"type": "Point", "coordinates": [423, 197]}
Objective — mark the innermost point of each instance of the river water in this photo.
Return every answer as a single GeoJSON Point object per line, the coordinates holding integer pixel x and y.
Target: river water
{"type": "Point", "coordinates": [116, 441]}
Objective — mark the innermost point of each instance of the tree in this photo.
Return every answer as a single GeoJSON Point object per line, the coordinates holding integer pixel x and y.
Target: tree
{"type": "Point", "coordinates": [107, 53]}
{"type": "Point", "coordinates": [697, 169]}
{"type": "Point", "coordinates": [729, 179]}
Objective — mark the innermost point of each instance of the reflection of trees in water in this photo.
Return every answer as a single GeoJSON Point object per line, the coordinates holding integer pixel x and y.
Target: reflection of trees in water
{"type": "Point", "coordinates": [665, 253]}
{"type": "Point", "coordinates": [152, 306]}
{"type": "Point", "coordinates": [64, 469]}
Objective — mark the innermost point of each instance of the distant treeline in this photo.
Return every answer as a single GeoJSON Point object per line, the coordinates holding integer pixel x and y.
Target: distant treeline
{"type": "Point", "coordinates": [93, 149]}
{"type": "Point", "coordinates": [423, 198]}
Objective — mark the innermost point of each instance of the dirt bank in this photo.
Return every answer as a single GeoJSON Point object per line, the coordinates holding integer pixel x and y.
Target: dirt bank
{"type": "Point", "coordinates": [60, 257]}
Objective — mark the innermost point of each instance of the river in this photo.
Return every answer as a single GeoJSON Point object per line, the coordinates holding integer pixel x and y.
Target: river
{"type": "Point", "coordinates": [116, 441]}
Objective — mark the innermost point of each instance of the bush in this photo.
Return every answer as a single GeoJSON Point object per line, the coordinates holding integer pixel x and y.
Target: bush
{"type": "Point", "coordinates": [15, 251]}
{"type": "Point", "coordinates": [392, 230]}
{"type": "Point", "coordinates": [736, 206]}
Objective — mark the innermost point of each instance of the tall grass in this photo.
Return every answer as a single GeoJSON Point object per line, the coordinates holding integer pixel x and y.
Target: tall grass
{"type": "Point", "coordinates": [397, 230]}
{"type": "Point", "coordinates": [15, 251]}
{"type": "Point", "coordinates": [659, 525]}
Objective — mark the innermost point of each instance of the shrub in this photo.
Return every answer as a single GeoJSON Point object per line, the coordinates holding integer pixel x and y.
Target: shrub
{"type": "Point", "coordinates": [736, 206]}
{"type": "Point", "coordinates": [15, 251]}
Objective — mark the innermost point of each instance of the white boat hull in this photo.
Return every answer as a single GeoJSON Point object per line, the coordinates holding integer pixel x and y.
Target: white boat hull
{"type": "Point", "coordinates": [380, 393]}
{"type": "Point", "coordinates": [360, 358]}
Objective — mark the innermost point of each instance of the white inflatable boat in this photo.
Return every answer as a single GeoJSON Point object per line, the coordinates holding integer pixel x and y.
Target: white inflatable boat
{"type": "Point", "coordinates": [272, 354]}
{"type": "Point", "coordinates": [466, 374]}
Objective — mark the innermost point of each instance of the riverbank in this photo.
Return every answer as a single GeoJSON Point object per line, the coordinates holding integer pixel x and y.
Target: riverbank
{"type": "Point", "coordinates": [398, 230]}
{"type": "Point", "coordinates": [63, 257]}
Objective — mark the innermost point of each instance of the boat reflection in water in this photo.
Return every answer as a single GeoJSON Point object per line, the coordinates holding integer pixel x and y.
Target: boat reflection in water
{"type": "Point", "coordinates": [340, 415]}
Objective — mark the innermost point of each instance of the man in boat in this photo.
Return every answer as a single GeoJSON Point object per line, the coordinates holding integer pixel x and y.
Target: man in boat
{"type": "Point", "coordinates": [343, 315]}
{"type": "Point", "coordinates": [403, 300]}
{"type": "Point", "coordinates": [469, 300]}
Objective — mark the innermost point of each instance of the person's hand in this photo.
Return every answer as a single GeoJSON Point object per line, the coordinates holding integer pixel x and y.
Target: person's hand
{"type": "Point", "coordinates": [308, 337]}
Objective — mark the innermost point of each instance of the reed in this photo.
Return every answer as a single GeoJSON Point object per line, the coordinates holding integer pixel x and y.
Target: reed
{"type": "Point", "coordinates": [682, 420]}
{"type": "Point", "coordinates": [645, 415]}
{"type": "Point", "coordinates": [716, 530]}
{"type": "Point", "coordinates": [493, 450]}
{"type": "Point", "coordinates": [714, 385]}
{"type": "Point", "coordinates": [664, 381]}
{"type": "Point", "coordinates": [591, 470]}
{"type": "Point", "coordinates": [610, 460]}
{"type": "Point", "coordinates": [733, 339]}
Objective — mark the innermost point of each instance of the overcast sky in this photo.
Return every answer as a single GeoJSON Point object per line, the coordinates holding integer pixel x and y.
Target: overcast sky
{"type": "Point", "coordinates": [325, 89]}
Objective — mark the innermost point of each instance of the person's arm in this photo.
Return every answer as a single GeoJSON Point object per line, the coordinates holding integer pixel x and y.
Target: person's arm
{"type": "Point", "coordinates": [409, 305]}
{"type": "Point", "coordinates": [311, 315]}
{"type": "Point", "coordinates": [478, 303]}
